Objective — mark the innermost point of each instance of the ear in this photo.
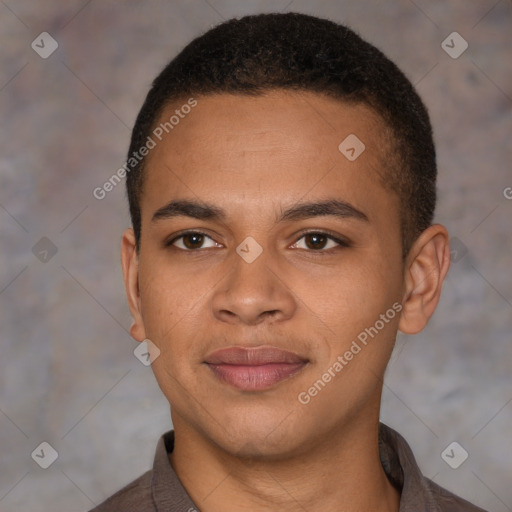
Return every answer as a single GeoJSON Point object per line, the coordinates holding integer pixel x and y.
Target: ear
{"type": "Point", "coordinates": [426, 267]}
{"type": "Point", "coordinates": [130, 265]}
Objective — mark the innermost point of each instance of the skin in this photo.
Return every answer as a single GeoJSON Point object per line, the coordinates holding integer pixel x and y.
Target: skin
{"type": "Point", "coordinates": [254, 157]}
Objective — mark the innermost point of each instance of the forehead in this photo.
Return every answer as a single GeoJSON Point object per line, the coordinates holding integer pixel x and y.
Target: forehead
{"type": "Point", "coordinates": [275, 148]}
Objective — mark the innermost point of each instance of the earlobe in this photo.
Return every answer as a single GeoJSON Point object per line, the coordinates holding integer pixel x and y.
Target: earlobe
{"type": "Point", "coordinates": [426, 267]}
{"type": "Point", "coordinates": [130, 266]}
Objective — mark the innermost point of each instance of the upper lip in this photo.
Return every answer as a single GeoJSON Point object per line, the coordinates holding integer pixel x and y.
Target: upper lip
{"type": "Point", "coordinates": [253, 356]}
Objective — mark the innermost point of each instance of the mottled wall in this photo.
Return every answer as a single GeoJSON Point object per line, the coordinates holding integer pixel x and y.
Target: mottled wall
{"type": "Point", "coordinates": [68, 375]}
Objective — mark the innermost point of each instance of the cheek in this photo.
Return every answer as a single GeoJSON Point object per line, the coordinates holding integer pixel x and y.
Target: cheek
{"type": "Point", "coordinates": [174, 312]}
{"type": "Point", "coordinates": [352, 296]}
{"type": "Point", "coordinates": [164, 299]}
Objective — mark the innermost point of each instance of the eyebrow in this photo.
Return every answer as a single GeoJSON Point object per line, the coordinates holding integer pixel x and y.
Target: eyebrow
{"type": "Point", "coordinates": [202, 210]}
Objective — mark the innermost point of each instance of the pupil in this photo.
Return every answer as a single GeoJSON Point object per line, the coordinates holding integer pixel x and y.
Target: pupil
{"type": "Point", "coordinates": [198, 239]}
{"type": "Point", "coordinates": [316, 238]}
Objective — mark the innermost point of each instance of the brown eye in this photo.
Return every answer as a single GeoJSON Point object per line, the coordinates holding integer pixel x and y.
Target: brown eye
{"type": "Point", "coordinates": [319, 242]}
{"type": "Point", "coordinates": [316, 240]}
{"type": "Point", "coordinates": [192, 240]}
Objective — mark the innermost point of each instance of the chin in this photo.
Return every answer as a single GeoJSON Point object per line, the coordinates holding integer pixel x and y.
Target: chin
{"type": "Point", "coordinates": [262, 434]}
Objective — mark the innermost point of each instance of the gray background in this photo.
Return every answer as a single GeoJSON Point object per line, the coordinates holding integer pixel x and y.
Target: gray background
{"type": "Point", "coordinates": [68, 375]}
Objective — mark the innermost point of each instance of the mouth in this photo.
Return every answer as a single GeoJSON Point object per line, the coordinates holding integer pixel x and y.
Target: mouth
{"type": "Point", "coordinates": [254, 369]}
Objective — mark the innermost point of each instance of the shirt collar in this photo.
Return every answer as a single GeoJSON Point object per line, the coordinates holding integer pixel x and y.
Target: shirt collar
{"type": "Point", "coordinates": [168, 493]}
{"type": "Point", "coordinates": [402, 470]}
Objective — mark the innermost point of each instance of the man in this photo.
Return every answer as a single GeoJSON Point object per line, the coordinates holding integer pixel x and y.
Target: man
{"type": "Point", "coordinates": [281, 180]}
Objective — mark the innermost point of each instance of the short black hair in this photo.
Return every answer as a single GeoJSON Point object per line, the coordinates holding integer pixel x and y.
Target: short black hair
{"type": "Point", "coordinates": [292, 51]}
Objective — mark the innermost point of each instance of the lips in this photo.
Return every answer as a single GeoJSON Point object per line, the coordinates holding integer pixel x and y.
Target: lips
{"type": "Point", "coordinates": [254, 369]}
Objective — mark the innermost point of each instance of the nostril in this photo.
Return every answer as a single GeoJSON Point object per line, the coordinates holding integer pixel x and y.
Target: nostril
{"type": "Point", "coordinates": [227, 312]}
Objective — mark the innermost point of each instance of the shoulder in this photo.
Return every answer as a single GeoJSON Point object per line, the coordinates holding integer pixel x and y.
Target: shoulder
{"type": "Point", "coordinates": [135, 496]}
{"type": "Point", "coordinates": [417, 491]}
{"type": "Point", "coordinates": [449, 502]}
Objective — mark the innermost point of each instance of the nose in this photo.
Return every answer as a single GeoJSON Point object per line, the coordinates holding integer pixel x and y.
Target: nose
{"type": "Point", "coordinates": [253, 293]}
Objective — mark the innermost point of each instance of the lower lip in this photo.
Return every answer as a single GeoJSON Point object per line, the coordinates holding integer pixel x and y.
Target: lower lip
{"type": "Point", "coordinates": [255, 378]}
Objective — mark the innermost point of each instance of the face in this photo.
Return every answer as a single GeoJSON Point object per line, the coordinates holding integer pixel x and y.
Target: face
{"type": "Point", "coordinates": [256, 265]}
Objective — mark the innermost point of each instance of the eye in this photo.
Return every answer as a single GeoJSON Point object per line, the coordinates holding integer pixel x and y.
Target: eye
{"type": "Point", "coordinates": [319, 241]}
{"type": "Point", "coordinates": [191, 240]}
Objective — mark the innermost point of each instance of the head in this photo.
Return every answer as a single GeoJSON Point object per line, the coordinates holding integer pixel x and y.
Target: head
{"type": "Point", "coordinates": [254, 224]}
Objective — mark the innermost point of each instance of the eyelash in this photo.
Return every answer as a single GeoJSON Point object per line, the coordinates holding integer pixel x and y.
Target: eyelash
{"type": "Point", "coordinates": [341, 242]}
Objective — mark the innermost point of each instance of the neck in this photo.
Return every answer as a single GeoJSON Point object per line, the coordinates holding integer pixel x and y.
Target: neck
{"type": "Point", "coordinates": [341, 471]}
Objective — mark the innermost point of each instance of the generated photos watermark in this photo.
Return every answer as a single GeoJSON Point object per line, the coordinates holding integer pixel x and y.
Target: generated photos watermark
{"type": "Point", "coordinates": [151, 142]}
{"type": "Point", "coordinates": [304, 397]}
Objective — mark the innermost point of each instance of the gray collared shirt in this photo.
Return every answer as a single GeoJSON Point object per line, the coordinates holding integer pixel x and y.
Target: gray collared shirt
{"type": "Point", "coordinates": [159, 489]}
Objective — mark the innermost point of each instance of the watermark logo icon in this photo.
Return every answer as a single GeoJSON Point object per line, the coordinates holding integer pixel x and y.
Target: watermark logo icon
{"type": "Point", "coordinates": [249, 249]}
{"type": "Point", "coordinates": [454, 45]}
{"type": "Point", "coordinates": [454, 455]}
{"type": "Point", "coordinates": [44, 45]}
{"type": "Point", "coordinates": [146, 352]}
{"type": "Point", "coordinates": [351, 147]}
{"type": "Point", "coordinates": [457, 249]}
{"type": "Point", "coordinates": [45, 455]}
{"type": "Point", "coordinates": [44, 250]}
{"type": "Point", "coordinates": [249, 454]}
